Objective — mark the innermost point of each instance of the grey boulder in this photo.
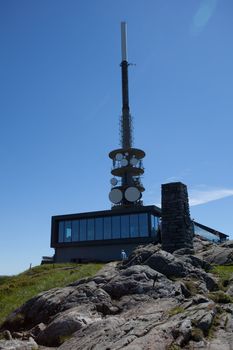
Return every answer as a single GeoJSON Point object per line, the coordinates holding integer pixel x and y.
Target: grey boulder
{"type": "Point", "coordinates": [16, 344]}
{"type": "Point", "coordinates": [63, 326]}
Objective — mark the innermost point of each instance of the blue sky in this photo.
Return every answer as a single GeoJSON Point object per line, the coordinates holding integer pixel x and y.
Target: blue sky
{"type": "Point", "coordinates": [61, 101]}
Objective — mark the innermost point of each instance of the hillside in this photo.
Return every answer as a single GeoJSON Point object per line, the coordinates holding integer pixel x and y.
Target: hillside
{"type": "Point", "coordinates": [154, 300]}
{"type": "Point", "coordinates": [16, 290]}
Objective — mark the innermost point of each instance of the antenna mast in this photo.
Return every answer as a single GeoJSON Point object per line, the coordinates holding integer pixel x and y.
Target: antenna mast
{"type": "Point", "coordinates": [127, 161]}
{"type": "Point", "coordinates": [126, 119]}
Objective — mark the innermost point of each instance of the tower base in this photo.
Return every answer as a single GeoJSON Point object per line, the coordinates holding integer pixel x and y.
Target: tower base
{"type": "Point", "coordinates": [177, 227]}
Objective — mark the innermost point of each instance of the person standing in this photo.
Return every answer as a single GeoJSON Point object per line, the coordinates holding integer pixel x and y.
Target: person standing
{"type": "Point", "coordinates": [123, 255]}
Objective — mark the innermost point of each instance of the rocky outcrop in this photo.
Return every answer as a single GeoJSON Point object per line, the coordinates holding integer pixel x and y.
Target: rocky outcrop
{"type": "Point", "coordinates": [16, 344]}
{"type": "Point", "coordinates": [217, 255]}
{"type": "Point", "coordinates": [154, 300]}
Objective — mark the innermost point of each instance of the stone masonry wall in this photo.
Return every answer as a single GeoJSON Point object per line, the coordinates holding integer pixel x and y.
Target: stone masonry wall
{"type": "Point", "coordinates": [177, 228]}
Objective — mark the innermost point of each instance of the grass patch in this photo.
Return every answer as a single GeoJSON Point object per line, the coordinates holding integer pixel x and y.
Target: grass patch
{"type": "Point", "coordinates": [176, 310]}
{"type": "Point", "coordinates": [16, 290]}
{"type": "Point", "coordinates": [220, 297]}
{"type": "Point", "coordinates": [214, 326]}
{"type": "Point", "coordinates": [191, 286]}
{"type": "Point", "coordinates": [4, 279]}
{"type": "Point", "coordinates": [224, 274]}
{"type": "Point", "coordinates": [173, 347]}
{"type": "Point", "coordinates": [197, 334]}
{"type": "Point", "coordinates": [63, 338]}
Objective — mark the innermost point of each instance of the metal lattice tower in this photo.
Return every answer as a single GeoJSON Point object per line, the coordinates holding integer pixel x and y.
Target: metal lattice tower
{"type": "Point", "coordinates": [127, 161]}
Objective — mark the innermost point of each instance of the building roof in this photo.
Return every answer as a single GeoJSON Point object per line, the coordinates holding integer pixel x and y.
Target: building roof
{"type": "Point", "coordinates": [115, 211]}
{"type": "Point", "coordinates": [221, 235]}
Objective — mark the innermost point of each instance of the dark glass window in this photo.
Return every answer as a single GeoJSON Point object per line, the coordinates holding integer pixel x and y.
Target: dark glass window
{"type": "Point", "coordinates": [154, 226]}
{"type": "Point", "coordinates": [61, 231]}
{"type": "Point", "coordinates": [107, 228]}
{"type": "Point", "coordinates": [124, 226]}
{"type": "Point", "coordinates": [83, 230]}
{"type": "Point", "coordinates": [67, 237]}
{"type": "Point", "coordinates": [206, 234]}
{"type": "Point", "coordinates": [134, 229]}
{"type": "Point", "coordinates": [75, 230]}
{"type": "Point", "coordinates": [143, 225]}
{"type": "Point", "coordinates": [90, 229]}
{"type": "Point", "coordinates": [99, 230]}
{"type": "Point", "coordinates": [116, 227]}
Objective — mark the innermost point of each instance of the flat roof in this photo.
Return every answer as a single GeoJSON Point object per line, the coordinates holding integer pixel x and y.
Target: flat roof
{"type": "Point", "coordinates": [115, 211]}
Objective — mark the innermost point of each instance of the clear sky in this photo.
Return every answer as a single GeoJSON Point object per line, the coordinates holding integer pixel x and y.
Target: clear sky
{"type": "Point", "coordinates": [60, 102]}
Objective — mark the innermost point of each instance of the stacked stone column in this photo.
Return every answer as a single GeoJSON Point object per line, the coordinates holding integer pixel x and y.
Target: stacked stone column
{"type": "Point", "coordinates": [177, 227]}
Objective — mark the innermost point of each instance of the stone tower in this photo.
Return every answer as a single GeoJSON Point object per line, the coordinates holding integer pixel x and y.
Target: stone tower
{"type": "Point", "coordinates": [177, 227]}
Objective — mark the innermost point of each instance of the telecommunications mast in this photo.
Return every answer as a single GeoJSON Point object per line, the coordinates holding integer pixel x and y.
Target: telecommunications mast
{"type": "Point", "coordinates": [127, 161]}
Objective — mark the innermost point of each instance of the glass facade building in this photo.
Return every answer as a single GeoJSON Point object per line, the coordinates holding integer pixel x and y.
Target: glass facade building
{"type": "Point", "coordinates": [112, 227]}
{"type": "Point", "coordinates": [206, 233]}
{"type": "Point", "coordinates": [100, 236]}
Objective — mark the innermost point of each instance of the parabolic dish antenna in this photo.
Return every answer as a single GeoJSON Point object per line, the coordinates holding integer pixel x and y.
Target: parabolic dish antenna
{"type": "Point", "coordinates": [124, 162]}
{"type": "Point", "coordinates": [119, 156]}
{"type": "Point", "coordinates": [113, 181]}
{"type": "Point", "coordinates": [133, 161]}
{"type": "Point", "coordinates": [115, 195]}
{"type": "Point", "coordinates": [132, 194]}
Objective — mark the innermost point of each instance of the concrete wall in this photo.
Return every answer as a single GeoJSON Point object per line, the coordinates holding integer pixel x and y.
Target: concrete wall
{"type": "Point", "coordinates": [93, 253]}
{"type": "Point", "coordinates": [177, 227]}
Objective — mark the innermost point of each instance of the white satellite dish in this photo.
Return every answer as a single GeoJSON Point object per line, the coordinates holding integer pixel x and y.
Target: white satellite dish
{"type": "Point", "coordinates": [119, 156]}
{"type": "Point", "coordinates": [132, 194]}
{"type": "Point", "coordinates": [124, 162]}
{"type": "Point", "coordinates": [115, 195]}
{"type": "Point", "coordinates": [113, 181]}
{"type": "Point", "coordinates": [133, 161]}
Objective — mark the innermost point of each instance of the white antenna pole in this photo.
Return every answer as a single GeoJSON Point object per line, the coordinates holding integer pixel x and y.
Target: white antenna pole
{"type": "Point", "coordinates": [123, 41]}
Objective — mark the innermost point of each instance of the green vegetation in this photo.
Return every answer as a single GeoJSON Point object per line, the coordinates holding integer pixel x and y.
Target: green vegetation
{"type": "Point", "coordinates": [224, 273]}
{"type": "Point", "coordinates": [173, 347]}
{"type": "Point", "coordinates": [215, 325]}
{"type": "Point", "coordinates": [16, 290]}
{"type": "Point", "coordinates": [63, 338]}
{"type": "Point", "coordinates": [197, 334]}
{"type": "Point", "coordinates": [220, 297]}
{"type": "Point", "coordinates": [191, 285]}
{"type": "Point", "coordinates": [176, 310]}
{"type": "Point", "coordinates": [4, 279]}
